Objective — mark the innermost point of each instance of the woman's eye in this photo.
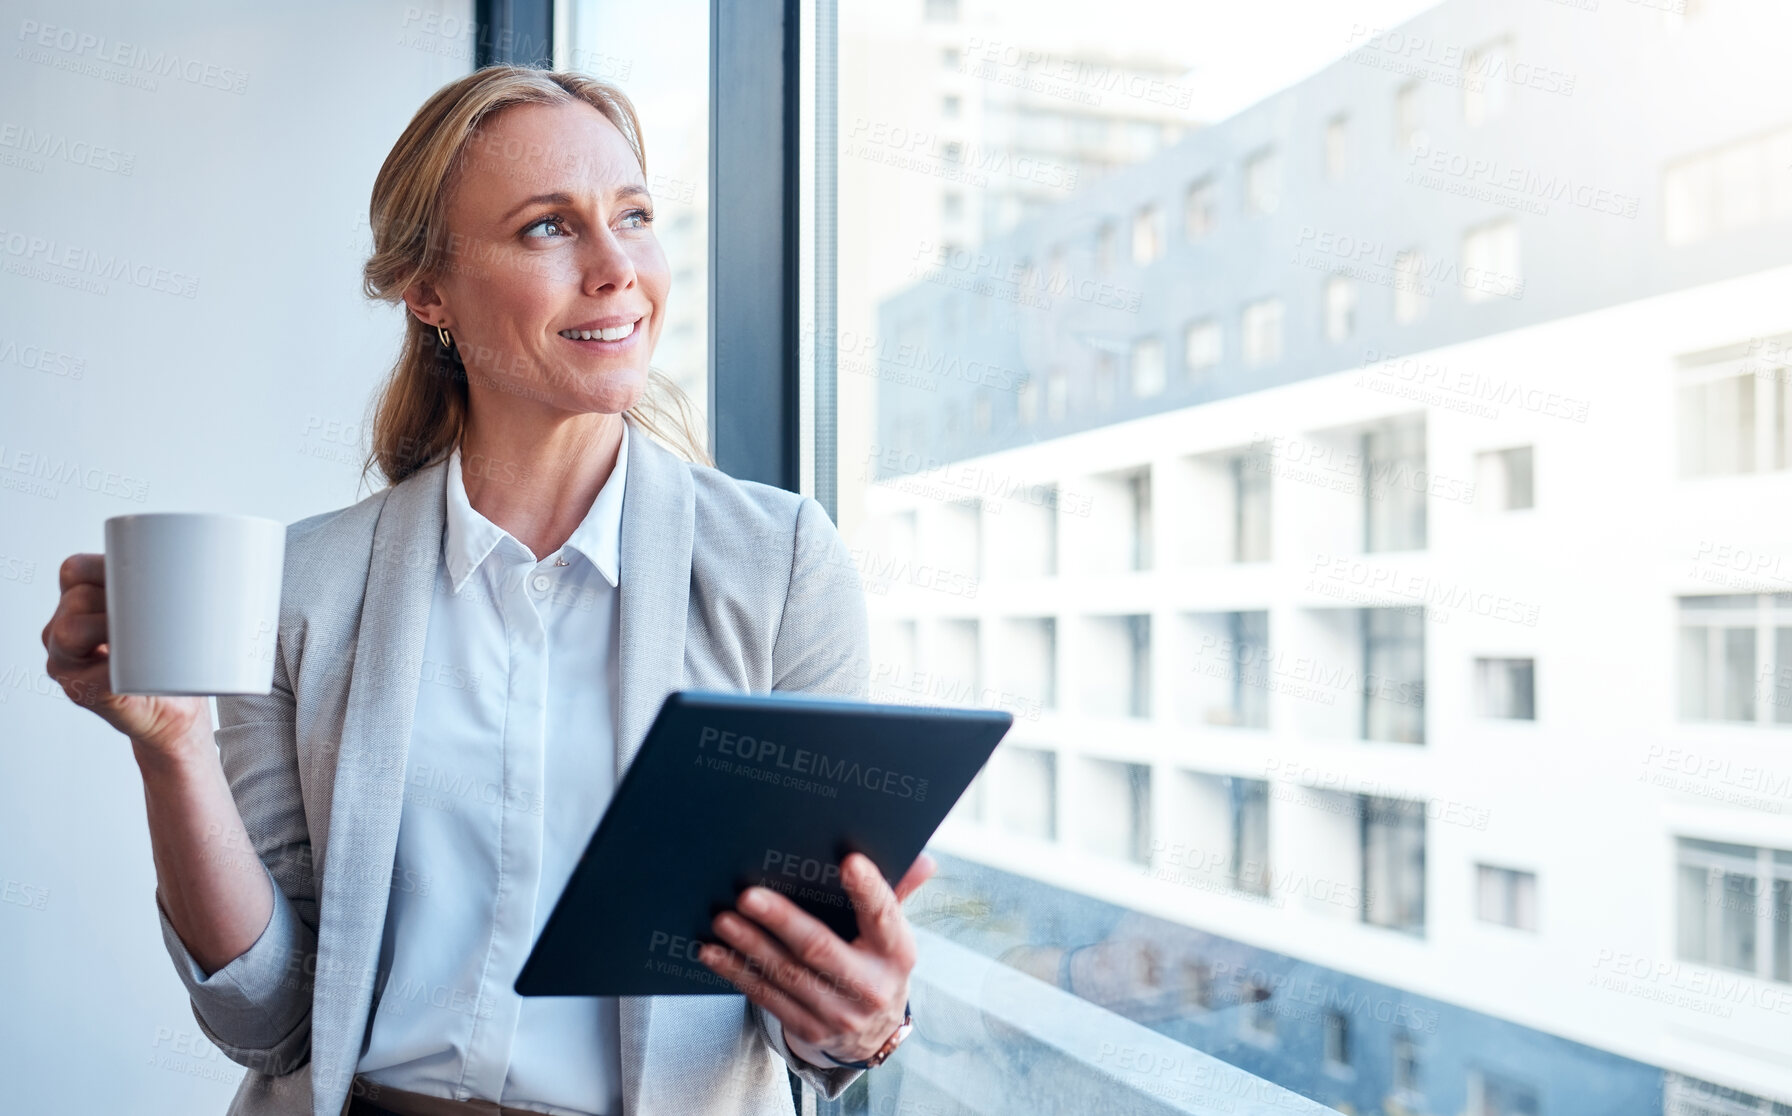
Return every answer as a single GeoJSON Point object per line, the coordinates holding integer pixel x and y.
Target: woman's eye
{"type": "Point", "coordinates": [637, 219]}
{"type": "Point", "coordinates": [558, 225]}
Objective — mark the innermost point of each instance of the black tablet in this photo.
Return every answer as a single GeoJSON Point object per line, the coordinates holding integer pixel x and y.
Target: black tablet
{"type": "Point", "coordinates": [730, 790]}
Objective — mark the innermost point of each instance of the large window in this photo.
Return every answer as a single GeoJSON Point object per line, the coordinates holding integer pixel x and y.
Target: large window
{"type": "Point", "coordinates": [1393, 675]}
{"type": "Point", "coordinates": [1376, 435]}
{"type": "Point", "coordinates": [1735, 410]}
{"type": "Point", "coordinates": [1395, 485]}
{"type": "Point", "coordinates": [1261, 329]}
{"type": "Point", "coordinates": [1394, 864]}
{"type": "Point", "coordinates": [1736, 658]}
{"type": "Point", "coordinates": [1735, 907]}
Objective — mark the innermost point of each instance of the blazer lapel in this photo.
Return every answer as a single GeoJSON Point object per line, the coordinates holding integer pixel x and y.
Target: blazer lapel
{"type": "Point", "coordinates": [658, 521]}
{"type": "Point", "coordinates": [367, 796]}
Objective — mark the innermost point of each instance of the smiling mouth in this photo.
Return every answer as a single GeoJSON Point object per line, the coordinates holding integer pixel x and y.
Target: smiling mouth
{"type": "Point", "coordinates": [613, 334]}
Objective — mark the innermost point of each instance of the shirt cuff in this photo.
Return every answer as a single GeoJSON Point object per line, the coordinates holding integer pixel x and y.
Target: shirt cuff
{"type": "Point", "coordinates": [259, 997]}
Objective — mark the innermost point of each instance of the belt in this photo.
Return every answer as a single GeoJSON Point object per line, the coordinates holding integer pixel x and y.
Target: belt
{"type": "Point", "coordinates": [369, 1098]}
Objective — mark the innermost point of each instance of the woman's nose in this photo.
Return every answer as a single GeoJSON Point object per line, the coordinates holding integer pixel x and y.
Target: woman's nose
{"type": "Point", "coordinates": [607, 265]}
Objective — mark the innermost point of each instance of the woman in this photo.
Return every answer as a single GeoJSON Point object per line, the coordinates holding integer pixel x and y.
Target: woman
{"type": "Point", "coordinates": [350, 880]}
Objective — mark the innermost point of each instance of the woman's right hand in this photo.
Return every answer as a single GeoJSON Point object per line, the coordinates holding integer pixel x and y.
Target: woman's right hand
{"type": "Point", "coordinates": [75, 638]}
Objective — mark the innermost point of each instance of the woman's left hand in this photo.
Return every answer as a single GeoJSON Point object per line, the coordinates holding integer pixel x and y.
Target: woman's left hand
{"type": "Point", "coordinates": [844, 998]}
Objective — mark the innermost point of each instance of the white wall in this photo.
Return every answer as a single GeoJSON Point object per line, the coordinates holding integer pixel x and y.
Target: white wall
{"type": "Point", "coordinates": [245, 397]}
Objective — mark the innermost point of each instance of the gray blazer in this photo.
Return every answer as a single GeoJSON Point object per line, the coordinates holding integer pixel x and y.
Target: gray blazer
{"type": "Point", "coordinates": [728, 585]}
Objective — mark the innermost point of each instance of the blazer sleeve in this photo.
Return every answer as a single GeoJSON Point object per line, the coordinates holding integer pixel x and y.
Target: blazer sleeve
{"type": "Point", "coordinates": [257, 1008]}
{"type": "Point", "coordinates": [822, 647]}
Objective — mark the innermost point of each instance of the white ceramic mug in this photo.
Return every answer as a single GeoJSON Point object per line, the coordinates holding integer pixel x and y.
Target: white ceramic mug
{"type": "Point", "coordinates": [193, 602]}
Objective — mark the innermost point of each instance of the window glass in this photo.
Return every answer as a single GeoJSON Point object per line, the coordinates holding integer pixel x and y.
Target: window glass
{"type": "Point", "coordinates": [1330, 385]}
{"type": "Point", "coordinates": [667, 78]}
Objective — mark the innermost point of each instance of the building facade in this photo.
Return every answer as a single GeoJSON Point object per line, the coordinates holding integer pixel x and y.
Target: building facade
{"type": "Point", "coordinates": [1366, 505]}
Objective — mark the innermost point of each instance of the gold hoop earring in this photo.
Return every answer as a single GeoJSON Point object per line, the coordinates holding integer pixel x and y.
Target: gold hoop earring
{"type": "Point", "coordinates": [443, 336]}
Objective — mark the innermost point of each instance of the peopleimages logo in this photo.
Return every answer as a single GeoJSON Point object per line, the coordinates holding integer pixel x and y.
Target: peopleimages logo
{"type": "Point", "coordinates": [802, 761]}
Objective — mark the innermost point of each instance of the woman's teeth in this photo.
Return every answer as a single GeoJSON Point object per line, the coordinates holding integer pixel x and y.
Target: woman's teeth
{"type": "Point", "coordinates": [615, 333]}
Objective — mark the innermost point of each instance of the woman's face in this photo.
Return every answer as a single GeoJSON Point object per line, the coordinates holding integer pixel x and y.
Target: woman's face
{"type": "Point", "coordinates": [555, 285]}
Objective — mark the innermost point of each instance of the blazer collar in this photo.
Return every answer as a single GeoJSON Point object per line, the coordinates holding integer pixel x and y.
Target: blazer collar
{"type": "Point", "coordinates": [658, 524]}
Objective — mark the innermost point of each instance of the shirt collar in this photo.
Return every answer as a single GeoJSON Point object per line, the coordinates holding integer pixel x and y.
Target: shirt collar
{"type": "Point", "coordinates": [470, 537]}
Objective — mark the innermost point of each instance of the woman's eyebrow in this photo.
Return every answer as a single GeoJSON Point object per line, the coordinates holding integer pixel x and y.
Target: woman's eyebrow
{"type": "Point", "coordinates": [560, 197]}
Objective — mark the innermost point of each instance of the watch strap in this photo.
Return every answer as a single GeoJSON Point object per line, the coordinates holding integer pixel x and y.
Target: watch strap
{"type": "Point", "coordinates": [884, 1052]}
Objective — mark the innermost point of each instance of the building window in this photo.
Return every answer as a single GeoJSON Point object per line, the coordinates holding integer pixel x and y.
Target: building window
{"type": "Point", "coordinates": [1337, 147]}
{"type": "Point", "coordinates": [1147, 235]}
{"type": "Point", "coordinates": [1485, 83]}
{"type": "Point", "coordinates": [1250, 834]}
{"type": "Point", "coordinates": [1490, 262]}
{"type": "Point", "coordinates": [1406, 117]}
{"type": "Point", "coordinates": [1717, 425]}
{"type": "Point", "coordinates": [1735, 907]}
{"type": "Point", "coordinates": [980, 412]}
{"type": "Point", "coordinates": [1394, 674]}
{"type": "Point", "coordinates": [1394, 863]}
{"type": "Point", "coordinates": [950, 58]}
{"type": "Point", "coordinates": [1504, 479]}
{"type": "Point", "coordinates": [1116, 818]}
{"type": "Point", "coordinates": [940, 11]}
{"type": "Point", "coordinates": [1138, 491]}
{"type": "Point", "coordinates": [1250, 506]}
{"type": "Point", "coordinates": [1497, 1096]}
{"type": "Point", "coordinates": [1406, 1066]}
{"type": "Point", "coordinates": [1736, 658]}
{"type": "Point", "coordinates": [1198, 983]}
{"type": "Point", "coordinates": [953, 151]}
{"type": "Point", "coordinates": [1726, 189]}
{"type": "Point", "coordinates": [950, 106]}
{"type": "Point", "coordinates": [1506, 689]}
{"type": "Point", "coordinates": [1261, 332]}
{"type": "Point", "coordinates": [1340, 308]}
{"type": "Point", "coordinates": [1506, 897]}
{"type": "Point", "coordinates": [952, 205]}
{"type": "Point", "coordinates": [1337, 1040]}
{"type": "Point", "coordinates": [1026, 400]}
{"type": "Point", "coordinates": [1410, 293]}
{"type": "Point", "coordinates": [1057, 393]}
{"type": "Point", "coordinates": [1244, 649]}
{"type": "Point", "coordinates": [1263, 182]}
{"type": "Point", "coordinates": [1735, 410]}
{"type": "Point", "coordinates": [1201, 346]}
{"type": "Point", "coordinates": [1394, 484]}
{"type": "Point", "coordinates": [1198, 210]}
{"type": "Point", "coordinates": [1258, 1013]}
{"type": "Point", "coordinates": [1104, 381]}
{"type": "Point", "coordinates": [1147, 367]}
{"type": "Point", "coordinates": [1028, 792]}
{"type": "Point", "coordinates": [1104, 247]}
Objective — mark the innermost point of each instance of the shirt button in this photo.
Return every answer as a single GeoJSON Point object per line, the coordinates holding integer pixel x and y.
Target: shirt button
{"type": "Point", "coordinates": [541, 583]}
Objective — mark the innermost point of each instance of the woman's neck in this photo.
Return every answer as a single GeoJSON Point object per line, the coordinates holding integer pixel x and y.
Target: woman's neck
{"type": "Point", "coordinates": [537, 481]}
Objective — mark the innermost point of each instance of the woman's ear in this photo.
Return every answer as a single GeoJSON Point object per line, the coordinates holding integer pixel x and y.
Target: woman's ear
{"type": "Point", "coordinates": [425, 302]}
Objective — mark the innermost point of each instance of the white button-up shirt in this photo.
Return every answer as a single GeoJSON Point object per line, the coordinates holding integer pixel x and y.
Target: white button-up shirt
{"type": "Point", "coordinates": [512, 761]}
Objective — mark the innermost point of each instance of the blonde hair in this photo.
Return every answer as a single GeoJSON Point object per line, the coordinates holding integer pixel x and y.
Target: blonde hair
{"type": "Point", "coordinates": [420, 412]}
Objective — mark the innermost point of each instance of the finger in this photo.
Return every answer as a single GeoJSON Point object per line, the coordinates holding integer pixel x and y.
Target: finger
{"type": "Point", "coordinates": [807, 938]}
{"type": "Point", "coordinates": [797, 1019]}
{"type": "Point", "coordinates": [75, 636]}
{"type": "Point", "coordinates": [88, 685]}
{"type": "Point", "coordinates": [879, 913]}
{"type": "Point", "coordinates": [82, 568]}
{"type": "Point", "coordinates": [827, 996]}
{"type": "Point", "coordinates": [918, 873]}
{"type": "Point", "coordinates": [82, 599]}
